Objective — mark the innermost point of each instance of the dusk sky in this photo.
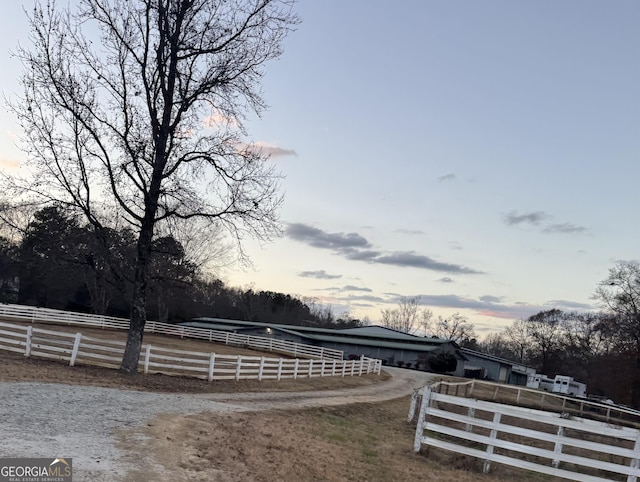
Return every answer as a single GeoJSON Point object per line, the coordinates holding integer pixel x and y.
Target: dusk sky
{"type": "Point", "coordinates": [480, 154]}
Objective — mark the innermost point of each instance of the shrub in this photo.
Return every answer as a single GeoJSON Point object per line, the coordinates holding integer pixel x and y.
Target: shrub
{"type": "Point", "coordinates": [443, 363]}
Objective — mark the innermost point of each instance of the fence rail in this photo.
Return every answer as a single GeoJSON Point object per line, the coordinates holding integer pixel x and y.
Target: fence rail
{"type": "Point", "coordinates": [80, 349]}
{"type": "Point", "coordinates": [546, 442]}
{"type": "Point", "coordinates": [33, 314]}
{"type": "Point", "coordinates": [532, 398]}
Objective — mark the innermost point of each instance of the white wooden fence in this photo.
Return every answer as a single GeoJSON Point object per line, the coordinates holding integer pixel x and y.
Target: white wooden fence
{"type": "Point", "coordinates": [33, 314]}
{"type": "Point", "coordinates": [77, 348]}
{"type": "Point", "coordinates": [535, 440]}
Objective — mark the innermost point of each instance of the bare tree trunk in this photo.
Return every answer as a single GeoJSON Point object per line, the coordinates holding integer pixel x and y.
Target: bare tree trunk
{"type": "Point", "coordinates": [138, 317]}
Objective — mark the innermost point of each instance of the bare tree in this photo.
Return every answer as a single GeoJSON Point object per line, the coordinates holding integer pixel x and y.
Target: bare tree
{"type": "Point", "coordinates": [518, 337]}
{"type": "Point", "coordinates": [456, 328]}
{"type": "Point", "coordinates": [619, 295]}
{"type": "Point", "coordinates": [584, 341]}
{"type": "Point", "coordinates": [137, 106]}
{"type": "Point", "coordinates": [497, 344]}
{"type": "Point", "coordinates": [426, 316]}
{"type": "Point", "coordinates": [407, 317]}
{"type": "Point", "coordinates": [545, 332]}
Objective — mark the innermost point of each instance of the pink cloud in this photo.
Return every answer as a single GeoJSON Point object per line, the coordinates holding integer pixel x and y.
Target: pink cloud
{"type": "Point", "coordinates": [9, 164]}
{"type": "Point", "coordinates": [272, 150]}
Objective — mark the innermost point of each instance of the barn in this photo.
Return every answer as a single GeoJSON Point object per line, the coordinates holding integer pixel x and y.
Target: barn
{"type": "Point", "coordinates": [394, 348]}
{"type": "Point", "coordinates": [391, 346]}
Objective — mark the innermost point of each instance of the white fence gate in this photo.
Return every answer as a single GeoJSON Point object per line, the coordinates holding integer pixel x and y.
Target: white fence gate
{"type": "Point", "coordinates": [545, 442]}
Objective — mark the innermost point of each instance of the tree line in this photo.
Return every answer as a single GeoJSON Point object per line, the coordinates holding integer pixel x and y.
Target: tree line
{"type": "Point", "coordinates": [58, 262]}
{"type": "Point", "coordinates": [599, 348]}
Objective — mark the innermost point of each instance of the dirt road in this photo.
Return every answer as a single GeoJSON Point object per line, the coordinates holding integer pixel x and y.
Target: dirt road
{"type": "Point", "coordinates": [106, 430]}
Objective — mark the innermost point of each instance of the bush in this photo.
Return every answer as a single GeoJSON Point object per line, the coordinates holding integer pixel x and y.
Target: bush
{"type": "Point", "coordinates": [443, 363]}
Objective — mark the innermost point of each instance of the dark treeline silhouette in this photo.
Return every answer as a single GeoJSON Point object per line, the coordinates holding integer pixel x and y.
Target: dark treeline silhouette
{"type": "Point", "coordinates": [601, 349]}
{"type": "Point", "coordinates": [60, 263]}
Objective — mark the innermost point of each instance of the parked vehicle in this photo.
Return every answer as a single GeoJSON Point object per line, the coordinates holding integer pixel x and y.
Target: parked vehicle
{"type": "Point", "coordinates": [561, 384]}
{"type": "Point", "coordinates": [567, 385]}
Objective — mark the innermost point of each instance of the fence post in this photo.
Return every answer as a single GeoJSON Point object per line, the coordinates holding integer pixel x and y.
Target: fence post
{"type": "Point", "coordinates": [361, 365]}
{"type": "Point", "coordinates": [147, 356]}
{"type": "Point", "coordinates": [74, 352]}
{"type": "Point", "coordinates": [413, 405]}
{"type": "Point", "coordinates": [238, 367]}
{"type": "Point", "coordinates": [471, 413]}
{"type": "Point", "coordinates": [261, 369]}
{"type": "Point", "coordinates": [422, 418]}
{"type": "Point", "coordinates": [322, 352]}
{"type": "Point", "coordinates": [492, 437]}
{"type": "Point", "coordinates": [279, 369]}
{"type": "Point", "coordinates": [212, 362]}
{"type": "Point", "coordinates": [295, 368]}
{"type": "Point", "coordinates": [344, 367]}
{"type": "Point", "coordinates": [557, 448]}
{"type": "Point", "coordinates": [333, 368]}
{"type": "Point", "coordinates": [322, 368]}
{"type": "Point", "coordinates": [310, 367]}
{"type": "Point", "coordinates": [226, 339]}
{"type": "Point", "coordinates": [353, 367]}
{"type": "Point", "coordinates": [27, 347]}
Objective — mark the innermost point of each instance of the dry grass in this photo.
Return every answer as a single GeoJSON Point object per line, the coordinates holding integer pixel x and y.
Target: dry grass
{"type": "Point", "coordinates": [358, 442]}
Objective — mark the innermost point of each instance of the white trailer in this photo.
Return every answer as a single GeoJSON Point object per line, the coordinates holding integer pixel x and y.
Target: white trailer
{"type": "Point", "coordinates": [561, 384]}
{"type": "Point", "coordinates": [567, 385]}
{"type": "Point", "coordinates": [540, 382]}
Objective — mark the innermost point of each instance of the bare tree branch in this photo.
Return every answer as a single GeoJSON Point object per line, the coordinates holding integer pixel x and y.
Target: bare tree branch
{"type": "Point", "coordinates": [115, 98]}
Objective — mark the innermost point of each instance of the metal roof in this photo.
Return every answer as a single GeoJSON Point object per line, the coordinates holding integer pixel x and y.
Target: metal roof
{"type": "Point", "coordinates": [379, 333]}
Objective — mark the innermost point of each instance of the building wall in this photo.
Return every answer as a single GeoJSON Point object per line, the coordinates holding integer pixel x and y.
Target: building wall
{"type": "Point", "coordinates": [517, 379]}
{"type": "Point", "coordinates": [390, 356]}
{"type": "Point", "coordinates": [494, 370]}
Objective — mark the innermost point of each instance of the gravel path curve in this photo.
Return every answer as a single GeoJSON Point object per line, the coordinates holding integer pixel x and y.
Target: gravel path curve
{"type": "Point", "coordinates": [82, 422]}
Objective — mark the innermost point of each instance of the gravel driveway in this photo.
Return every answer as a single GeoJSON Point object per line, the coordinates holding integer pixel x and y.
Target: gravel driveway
{"type": "Point", "coordinates": [83, 422]}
